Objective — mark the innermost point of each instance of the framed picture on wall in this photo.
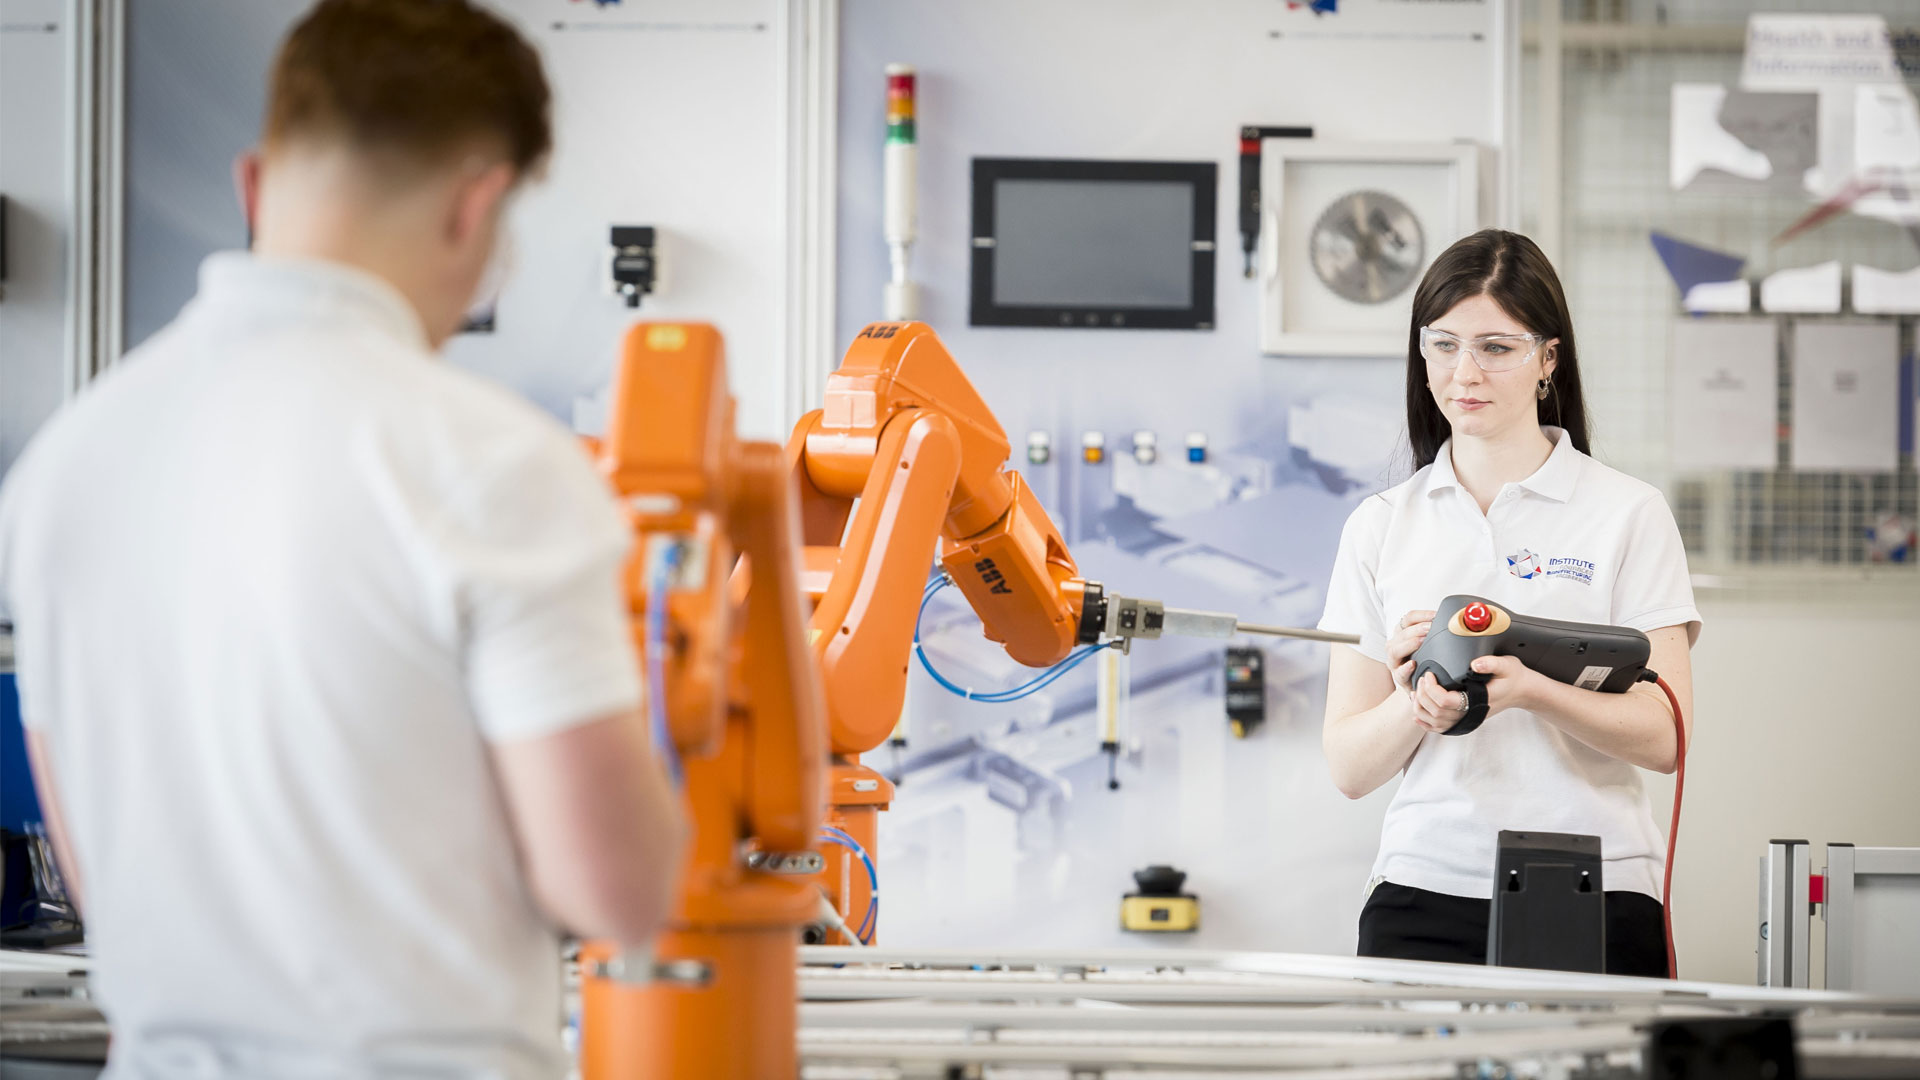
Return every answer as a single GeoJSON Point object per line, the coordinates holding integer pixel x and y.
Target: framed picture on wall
{"type": "Point", "coordinates": [1348, 229]}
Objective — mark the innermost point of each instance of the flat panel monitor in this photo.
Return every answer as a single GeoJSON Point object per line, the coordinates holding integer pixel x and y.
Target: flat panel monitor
{"type": "Point", "coordinates": [1093, 244]}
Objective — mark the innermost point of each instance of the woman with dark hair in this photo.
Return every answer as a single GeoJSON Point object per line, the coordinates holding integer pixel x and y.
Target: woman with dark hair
{"type": "Point", "coordinates": [1506, 505]}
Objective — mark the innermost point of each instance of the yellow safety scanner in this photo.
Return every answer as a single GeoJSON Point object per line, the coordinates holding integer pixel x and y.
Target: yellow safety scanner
{"type": "Point", "coordinates": [1160, 907]}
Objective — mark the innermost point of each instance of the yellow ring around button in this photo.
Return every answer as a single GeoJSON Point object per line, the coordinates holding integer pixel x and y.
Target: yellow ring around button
{"type": "Point", "coordinates": [1502, 622]}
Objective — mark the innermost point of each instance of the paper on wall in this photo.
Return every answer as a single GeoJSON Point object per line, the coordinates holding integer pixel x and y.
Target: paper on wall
{"type": "Point", "coordinates": [1697, 142]}
{"type": "Point", "coordinates": [1886, 292]}
{"type": "Point", "coordinates": [1720, 297]}
{"type": "Point", "coordinates": [1846, 396]}
{"type": "Point", "coordinates": [1886, 129]}
{"type": "Point", "coordinates": [1807, 52]}
{"type": "Point", "coordinates": [1830, 54]}
{"type": "Point", "coordinates": [1782, 124]}
{"type": "Point", "coordinates": [1725, 394]}
{"type": "Point", "coordinates": [1802, 290]}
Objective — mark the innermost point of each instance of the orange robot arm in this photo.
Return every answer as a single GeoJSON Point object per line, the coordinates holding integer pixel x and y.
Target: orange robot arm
{"type": "Point", "coordinates": [905, 454]}
{"type": "Point", "coordinates": [744, 711]}
{"type": "Point", "coordinates": [689, 485]}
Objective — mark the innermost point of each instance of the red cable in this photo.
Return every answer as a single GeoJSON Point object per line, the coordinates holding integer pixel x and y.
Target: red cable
{"type": "Point", "coordinates": [1673, 830]}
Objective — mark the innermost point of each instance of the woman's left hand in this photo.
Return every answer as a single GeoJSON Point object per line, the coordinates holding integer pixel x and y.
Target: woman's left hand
{"type": "Point", "coordinates": [1512, 683]}
{"type": "Point", "coordinates": [1509, 687]}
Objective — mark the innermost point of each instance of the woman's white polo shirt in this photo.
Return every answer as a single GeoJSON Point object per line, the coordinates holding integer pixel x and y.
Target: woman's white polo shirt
{"type": "Point", "coordinates": [1575, 541]}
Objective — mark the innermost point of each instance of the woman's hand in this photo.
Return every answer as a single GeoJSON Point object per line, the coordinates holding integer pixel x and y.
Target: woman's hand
{"type": "Point", "coordinates": [1510, 686]}
{"type": "Point", "coordinates": [1436, 708]}
{"type": "Point", "coordinates": [1513, 684]}
{"type": "Point", "coordinates": [1406, 640]}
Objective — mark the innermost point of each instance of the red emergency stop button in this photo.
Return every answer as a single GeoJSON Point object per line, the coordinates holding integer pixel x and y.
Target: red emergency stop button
{"type": "Point", "coordinates": [1476, 617]}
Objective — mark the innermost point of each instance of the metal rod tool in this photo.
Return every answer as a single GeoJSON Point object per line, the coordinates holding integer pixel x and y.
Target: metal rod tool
{"type": "Point", "coordinates": [1129, 618]}
{"type": "Point", "coordinates": [1300, 632]}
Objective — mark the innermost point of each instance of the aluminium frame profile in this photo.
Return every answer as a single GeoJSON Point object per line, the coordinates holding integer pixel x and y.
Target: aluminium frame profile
{"type": "Point", "coordinates": [1194, 1013]}
{"type": "Point", "coordinates": [1785, 924]}
{"type": "Point", "coordinates": [1198, 976]}
{"type": "Point", "coordinates": [1442, 1056]}
{"type": "Point", "coordinates": [1846, 864]}
{"type": "Point", "coordinates": [810, 72]}
{"type": "Point", "coordinates": [96, 149]}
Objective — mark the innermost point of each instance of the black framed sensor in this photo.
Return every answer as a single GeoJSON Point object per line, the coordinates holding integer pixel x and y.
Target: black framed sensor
{"type": "Point", "coordinates": [1079, 244]}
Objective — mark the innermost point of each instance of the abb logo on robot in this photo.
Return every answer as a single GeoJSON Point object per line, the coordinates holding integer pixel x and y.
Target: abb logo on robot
{"type": "Point", "coordinates": [991, 577]}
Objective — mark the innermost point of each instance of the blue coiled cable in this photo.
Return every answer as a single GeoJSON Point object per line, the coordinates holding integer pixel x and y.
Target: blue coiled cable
{"type": "Point", "coordinates": [835, 835]}
{"type": "Point", "coordinates": [656, 646]}
{"type": "Point", "coordinates": [1032, 686]}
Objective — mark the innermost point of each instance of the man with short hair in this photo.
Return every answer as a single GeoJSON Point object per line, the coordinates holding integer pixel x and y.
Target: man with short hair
{"type": "Point", "coordinates": [327, 674]}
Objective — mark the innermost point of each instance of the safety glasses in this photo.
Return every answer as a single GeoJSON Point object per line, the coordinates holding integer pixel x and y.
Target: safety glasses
{"type": "Point", "coordinates": [1496, 352]}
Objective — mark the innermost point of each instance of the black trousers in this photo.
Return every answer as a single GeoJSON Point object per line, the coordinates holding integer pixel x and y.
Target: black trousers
{"type": "Point", "coordinates": [1402, 923]}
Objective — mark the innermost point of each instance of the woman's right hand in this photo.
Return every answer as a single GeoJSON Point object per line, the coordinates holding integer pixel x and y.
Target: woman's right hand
{"type": "Point", "coordinates": [1404, 643]}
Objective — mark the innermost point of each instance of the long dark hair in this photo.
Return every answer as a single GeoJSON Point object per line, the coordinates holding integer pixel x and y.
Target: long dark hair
{"type": "Point", "coordinates": [1512, 271]}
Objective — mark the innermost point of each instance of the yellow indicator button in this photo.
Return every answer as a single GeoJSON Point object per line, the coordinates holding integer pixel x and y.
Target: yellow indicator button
{"type": "Point", "coordinates": [666, 337]}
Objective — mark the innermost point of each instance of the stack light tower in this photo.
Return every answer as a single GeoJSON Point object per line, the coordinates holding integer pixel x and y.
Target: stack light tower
{"type": "Point", "coordinates": [901, 298]}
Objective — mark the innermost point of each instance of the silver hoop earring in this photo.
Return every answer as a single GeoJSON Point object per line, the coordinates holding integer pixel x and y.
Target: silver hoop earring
{"type": "Point", "coordinates": [1541, 391]}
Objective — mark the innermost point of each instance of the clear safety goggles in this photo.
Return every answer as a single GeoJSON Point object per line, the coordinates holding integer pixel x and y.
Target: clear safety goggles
{"type": "Point", "coordinates": [1496, 352]}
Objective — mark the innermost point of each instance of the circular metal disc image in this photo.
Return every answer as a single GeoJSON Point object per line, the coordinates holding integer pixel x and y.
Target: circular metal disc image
{"type": "Point", "coordinates": [1368, 247]}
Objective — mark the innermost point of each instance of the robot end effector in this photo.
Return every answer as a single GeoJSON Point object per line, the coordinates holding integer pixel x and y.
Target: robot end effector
{"type": "Point", "coordinates": [1108, 617]}
{"type": "Point", "coordinates": [1039, 621]}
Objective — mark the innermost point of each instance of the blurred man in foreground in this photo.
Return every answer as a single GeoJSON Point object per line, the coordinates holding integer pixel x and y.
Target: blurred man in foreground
{"type": "Point", "coordinates": [328, 680]}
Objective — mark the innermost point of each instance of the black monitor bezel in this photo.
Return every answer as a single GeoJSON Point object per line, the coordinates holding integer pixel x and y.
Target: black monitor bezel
{"type": "Point", "coordinates": [1203, 177]}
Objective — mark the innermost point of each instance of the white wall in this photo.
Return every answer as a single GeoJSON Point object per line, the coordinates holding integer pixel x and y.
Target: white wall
{"type": "Point", "coordinates": [34, 76]}
{"type": "Point", "coordinates": [667, 113]}
{"type": "Point", "coordinates": [1808, 713]}
{"type": "Point", "coordinates": [1278, 856]}
{"type": "Point", "coordinates": [1807, 727]}
{"type": "Point", "coordinates": [1132, 79]}
{"type": "Point", "coordinates": [196, 90]}
{"type": "Point", "coordinates": [1808, 724]}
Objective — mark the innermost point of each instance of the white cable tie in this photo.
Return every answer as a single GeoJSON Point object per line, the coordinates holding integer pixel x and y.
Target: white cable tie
{"type": "Point", "coordinates": [835, 920]}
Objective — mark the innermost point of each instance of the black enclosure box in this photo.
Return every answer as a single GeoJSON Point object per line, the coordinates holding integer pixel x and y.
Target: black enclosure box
{"type": "Point", "coordinates": [1724, 1048]}
{"type": "Point", "coordinates": [1071, 244]}
{"type": "Point", "coordinates": [1549, 910]}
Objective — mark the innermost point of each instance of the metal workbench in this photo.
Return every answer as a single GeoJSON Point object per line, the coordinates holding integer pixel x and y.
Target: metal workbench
{"type": "Point", "coordinates": [1154, 1014]}
{"type": "Point", "coordinates": [887, 1013]}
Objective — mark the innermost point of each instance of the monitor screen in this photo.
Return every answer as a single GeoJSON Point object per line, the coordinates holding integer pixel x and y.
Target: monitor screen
{"type": "Point", "coordinates": [1093, 243]}
{"type": "Point", "coordinates": [1089, 243]}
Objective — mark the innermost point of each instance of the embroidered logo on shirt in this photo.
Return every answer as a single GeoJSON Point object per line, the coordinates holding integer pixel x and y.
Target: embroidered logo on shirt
{"type": "Point", "coordinates": [1525, 564]}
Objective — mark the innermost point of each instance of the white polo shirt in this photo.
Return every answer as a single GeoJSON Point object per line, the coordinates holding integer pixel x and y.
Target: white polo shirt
{"type": "Point", "coordinates": [1575, 541]}
{"type": "Point", "coordinates": [277, 582]}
